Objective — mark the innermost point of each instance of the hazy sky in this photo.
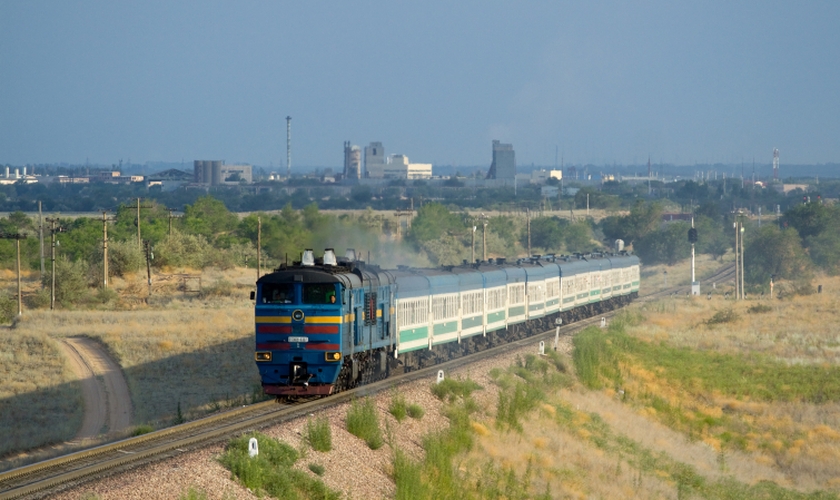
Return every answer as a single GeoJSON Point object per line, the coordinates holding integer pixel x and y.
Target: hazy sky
{"type": "Point", "coordinates": [598, 81]}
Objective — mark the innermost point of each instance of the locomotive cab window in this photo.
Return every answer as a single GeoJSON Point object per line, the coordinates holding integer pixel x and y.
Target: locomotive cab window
{"type": "Point", "coordinates": [278, 293]}
{"type": "Point", "coordinates": [319, 293]}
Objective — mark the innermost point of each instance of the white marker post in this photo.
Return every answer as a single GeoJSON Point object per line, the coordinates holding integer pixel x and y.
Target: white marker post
{"type": "Point", "coordinates": [253, 448]}
{"type": "Point", "coordinates": [440, 376]}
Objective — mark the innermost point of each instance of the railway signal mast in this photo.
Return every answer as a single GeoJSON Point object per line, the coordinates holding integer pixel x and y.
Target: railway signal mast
{"type": "Point", "coordinates": [692, 238]}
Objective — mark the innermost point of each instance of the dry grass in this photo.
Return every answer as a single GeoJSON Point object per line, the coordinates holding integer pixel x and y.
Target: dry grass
{"type": "Point", "coordinates": [172, 348]}
{"type": "Point", "coordinates": [799, 439]}
{"type": "Point", "coordinates": [653, 277]}
{"type": "Point", "coordinates": [40, 400]}
{"type": "Point", "coordinates": [798, 329]}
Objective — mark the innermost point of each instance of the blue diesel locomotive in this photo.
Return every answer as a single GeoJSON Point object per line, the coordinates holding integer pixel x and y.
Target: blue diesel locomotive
{"type": "Point", "coordinates": [329, 324]}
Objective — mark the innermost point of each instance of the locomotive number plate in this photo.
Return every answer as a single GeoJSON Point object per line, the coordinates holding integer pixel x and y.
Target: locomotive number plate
{"type": "Point", "coordinates": [298, 339]}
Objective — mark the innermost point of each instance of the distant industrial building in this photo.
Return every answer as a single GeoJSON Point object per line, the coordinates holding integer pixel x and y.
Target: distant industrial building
{"type": "Point", "coordinates": [352, 161]}
{"type": "Point", "coordinates": [398, 167]}
{"type": "Point", "coordinates": [504, 162]}
{"type": "Point", "coordinates": [216, 173]}
{"type": "Point", "coordinates": [379, 166]}
{"type": "Point", "coordinates": [375, 161]}
{"type": "Point", "coordinates": [17, 177]}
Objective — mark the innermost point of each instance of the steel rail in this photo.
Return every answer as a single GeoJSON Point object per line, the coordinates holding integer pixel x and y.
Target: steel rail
{"type": "Point", "coordinates": [88, 464]}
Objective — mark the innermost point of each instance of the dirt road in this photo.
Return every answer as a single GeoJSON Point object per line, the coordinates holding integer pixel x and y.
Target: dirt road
{"type": "Point", "coordinates": [105, 392]}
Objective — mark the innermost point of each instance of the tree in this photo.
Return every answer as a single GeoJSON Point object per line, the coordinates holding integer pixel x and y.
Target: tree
{"type": "Point", "coordinates": [772, 251]}
{"type": "Point", "coordinates": [712, 239]}
{"type": "Point", "coordinates": [546, 233]}
{"type": "Point", "coordinates": [811, 219]}
{"type": "Point", "coordinates": [432, 221]}
{"type": "Point", "coordinates": [667, 245]}
{"type": "Point", "coordinates": [209, 217]}
{"type": "Point", "coordinates": [643, 219]}
{"type": "Point", "coordinates": [824, 249]}
{"type": "Point", "coordinates": [578, 237]}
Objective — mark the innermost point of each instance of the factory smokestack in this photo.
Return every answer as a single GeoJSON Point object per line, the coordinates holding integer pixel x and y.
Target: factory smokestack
{"type": "Point", "coordinates": [288, 146]}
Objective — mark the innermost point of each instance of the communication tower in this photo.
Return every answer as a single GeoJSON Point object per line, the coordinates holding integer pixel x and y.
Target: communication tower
{"type": "Point", "coordinates": [775, 164]}
{"type": "Point", "coordinates": [288, 146]}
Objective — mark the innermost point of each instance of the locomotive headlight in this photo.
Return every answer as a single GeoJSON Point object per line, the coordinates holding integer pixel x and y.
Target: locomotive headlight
{"type": "Point", "coordinates": [332, 356]}
{"type": "Point", "coordinates": [262, 356]}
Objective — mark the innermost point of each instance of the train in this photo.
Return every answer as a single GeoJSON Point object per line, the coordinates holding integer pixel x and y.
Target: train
{"type": "Point", "coordinates": [327, 324]}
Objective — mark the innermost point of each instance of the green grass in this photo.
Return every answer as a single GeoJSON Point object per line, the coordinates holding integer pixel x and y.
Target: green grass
{"type": "Point", "coordinates": [142, 429]}
{"type": "Point", "coordinates": [721, 317]}
{"type": "Point", "coordinates": [415, 411]}
{"type": "Point", "coordinates": [598, 354]}
{"type": "Point", "coordinates": [271, 471]}
{"type": "Point", "coordinates": [193, 494]}
{"type": "Point", "coordinates": [689, 483]}
{"type": "Point", "coordinates": [363, 422]}
{"type": "Point", "coordinates": [398, 407]}
{"type": "Point", "coordinates": [317, 469]}
{"type": "Point", "coordinates": [319, 434]}
{"type": "Point", "coordinates": [451, 389]}
{"type": "Point", "coordinates": [435, 476]}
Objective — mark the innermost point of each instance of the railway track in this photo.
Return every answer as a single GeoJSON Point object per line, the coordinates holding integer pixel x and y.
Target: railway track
{"type": "Point", "coordinates": [37, 480]}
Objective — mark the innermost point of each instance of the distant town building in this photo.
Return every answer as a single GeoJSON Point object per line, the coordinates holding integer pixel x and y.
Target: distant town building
{"type": "Point", "coordinates": [504, 162]}
{"type": "Point", "coordinates": [216, 173]}
{"type": "Point", "coordinates": [352, 161]}
{"type": "Point", "coordinates": [237, 174]}
{"type": "Point", "coordinates": [375, 161]}
{"type": "Point", "coordinates": [169, 180]}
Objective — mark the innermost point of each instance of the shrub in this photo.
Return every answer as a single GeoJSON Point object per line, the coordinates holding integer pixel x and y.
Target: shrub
{"type": "Point", "coordinates": [220, 288]}
{"type": "Point", "coordinates": [415, 411]}
{"type": "Point", "coordinates": [124, 257]}
{"type": "Point", "coordinates": [453, 388]}
{"type": "Point", "coordinates": [142, 429]}
{"type": "Point", "coordinates": [363, 422]}
{"type": "Point", "coordinates": [398, 407]}
{"type": "Point", "coordinates": [319, 434]}
{"type": "Point", "coordinates": [71, 284]}
{"type": "Point", "coordinates": [272, 470]}
{"type": "Point", "coordinates": [8, 306]}
{"type": "Point", "coordinates": [720, 317]}
{"type": "Point", "coordinates": [193, 494]}
{"type": "Point", "coordinates": [318, 469]}
{"type": "Point", "coordinates": [759, 308]}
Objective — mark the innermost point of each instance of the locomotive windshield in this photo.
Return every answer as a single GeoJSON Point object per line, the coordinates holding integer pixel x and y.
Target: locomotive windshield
{"type": "Point", "coordinates": [278, 293]}
{"type": "Point", "coordinates": [319, 293]}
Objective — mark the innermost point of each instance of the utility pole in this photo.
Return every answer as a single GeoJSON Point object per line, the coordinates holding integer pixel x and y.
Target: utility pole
{"type": "Point", "coordinates": [472, 254]}
{"type": "Point", "coordinates": [148, 250]}
{"type": "Point", "coordinates": [259, 244]}
{"type": "Point", "coordinates": [139, 241]}
{"type": "Point", "coordinates": [528, 216]}
{"type": "Point", "coordinates": [105, 249]}
{"type": "Point", "coordinates": [54, 228]}
{"type": "Point", "coordinates": [737, 266]}
{"type": "Point", "coordinates": [484, 237]}
{"type": "Point", "coordinates": [743, 293]}
{"type": "Point", "coordinates": [41, 240]}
